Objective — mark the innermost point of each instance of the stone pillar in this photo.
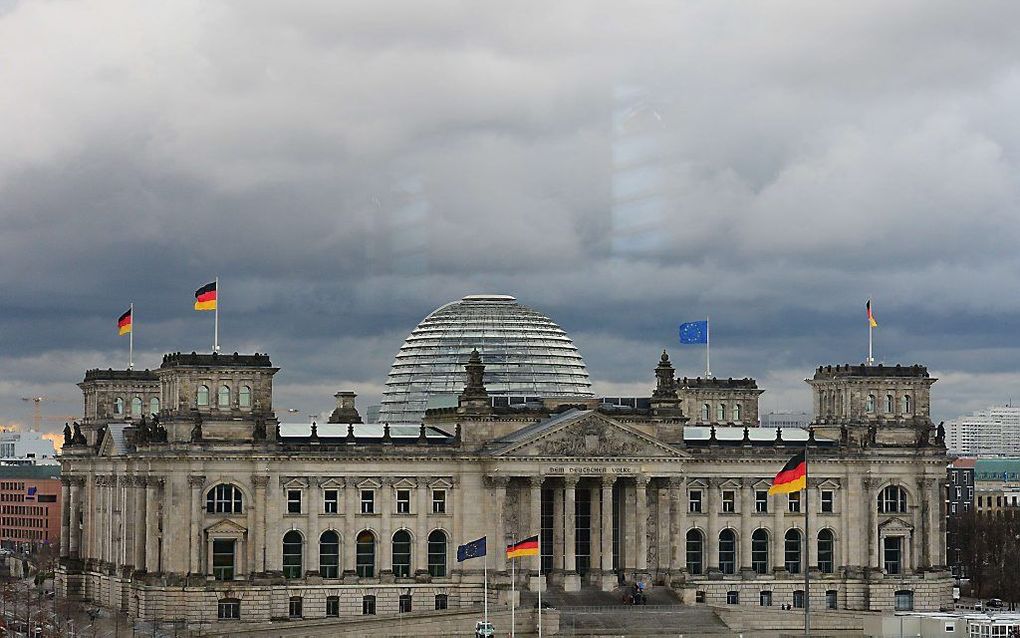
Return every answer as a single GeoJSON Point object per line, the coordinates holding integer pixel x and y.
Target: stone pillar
{"type": "Point", "coordinates": [674, 544]}
{"type": "Point", "coordinates": [606, 551]}
{"type": "Point", "coordinates": [258, 535]}
{"type": "Point", "coordinates": [641, 521]}
{"type": "Point", "coordinates": [812, 501]}
{"type": "Point", "coordinates": [195, 542]}
{"type": "Point", "coordinates": [557, 546]}
{"type": "Point", "coordinates": [74, 527]}
{"type": "Point", "coordinates": [498, 484]}
{"type": "Point", "coordinates": [594, 528]}
{"type": "Point", "coordinates": [152, 533]}
{"type": "Point", "coordinates": [535, 516]}
{"type": "Point", "coordinates": [712, 505]}
{"type": "Point", "coordinates": [421, 532]}
{"type": "Point", "coordinates": [936, 518]}
{"type": "Point", "coordinates": [65, 516]}
{"type": "Point", "coordinates": [571, 580]}
{"type": "Point", "coordinates": [680, 536]}
{"type": "Point", "coordinates": [871, 507]}
{"type": "Point", "coordinates": [848, 552]}
{"type": "Point", "coordinates": [313, 505]}
{"type": "Point", "coordinates": [138, 559]}
{"type": "Point", "coordinates": [386, 504]}
{"type": "Point", "coordinates": [746, 528]}
{"type": "Point", "coordinates": [780, 503]}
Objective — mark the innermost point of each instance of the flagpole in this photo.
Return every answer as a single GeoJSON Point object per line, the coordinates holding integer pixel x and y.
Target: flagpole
{"type": "Point", "coordinates": [513, 598]}
{"type": "Point", "coordinates": [708, 347]}
{"type": "Point", "coordinates": [540, 580]}
{"type": "Point", "coordinates": [871, 359]}
{"type": "Point", "coordinates": [216, 320]}
{"type": "Point", "coordinates": [131, 339]}
{"type": "Point", "coordinates": [807, 540]}
{"type": "Point", "coordinates": [485, 577]}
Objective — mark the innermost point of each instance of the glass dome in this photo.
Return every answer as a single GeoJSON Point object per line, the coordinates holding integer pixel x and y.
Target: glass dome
{"type": "Point", "coordinates": [526, 356]}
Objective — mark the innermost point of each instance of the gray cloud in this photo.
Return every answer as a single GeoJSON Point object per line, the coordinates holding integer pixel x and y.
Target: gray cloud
{"type": "Point", "coordinates": [347, 167]}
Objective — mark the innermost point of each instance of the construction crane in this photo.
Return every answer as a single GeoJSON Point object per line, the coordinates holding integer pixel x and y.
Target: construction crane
{"type": "Point", "coordinates": [36, 410]}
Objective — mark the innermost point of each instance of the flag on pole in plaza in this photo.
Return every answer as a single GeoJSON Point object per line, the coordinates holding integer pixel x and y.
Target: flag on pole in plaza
{"type": "Point", "coordinates": [871, 316]}
{"type": "Point", "coordinates": [205, 297]}
{"type": "Point", "coordinates": [474, 549]}
{"type": "Point", "coordinates": [792, 478]}
{"type": "Point", "coordinates": [526, 547]}
{"type": "Point", "coordinates": [124, 322]}
{"type": "Point", "coordinates": [694, 332]}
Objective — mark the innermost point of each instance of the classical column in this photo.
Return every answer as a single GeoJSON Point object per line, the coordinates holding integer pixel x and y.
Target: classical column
{"type": "Point", "coordinates": [780, 503]}
{"type": "Point", "coordinates": [569, 524]}
{"type": "Point", "coordinates": [746, 529]}
{"type": "Point", "coordinates": [812, 500]}
{"type": "Point", "coordinates": [314, 505]}
{"type": "Point", "coordinates": [641, 521]}
{"type": "Point", "coordinates": [421, 563]}
{"type": "Point", "coordinates": [674, 542]}
{"type": "Point", "coordinates": [257, 535]}
{"type": "Point", "coordinates": [712, 534]}
{"type": "Point", "coordinates": [606, 550]}
{"type": "Point", "coordinates": [536, 519]}
{"type": "Point", "coordinates": [152, 524]}
{"type": "Point", "coordinates": [871, 507]}
{"type": "Point", "coordinates": [594, 529]}
{"type": "Point", "coordinates": [195, 542]}
{"type": "Point", "coordinates": [498, 485]}
{"type": "Point", "coordinates": [138, 515]}
{"type": "Point", "coordinates": [74, 526]}
{"type": "Point", "coordinates": [850, 553]}
{"type": "Point", "coordinates": [680, 536]}
{"type": "Point", "coordinates": [65, 516]}
{"type": "Point", "coordinates": [936, 518]}
{"type": "Point", "coordinates": [557, 531]}
{"type": "Point", "coordinates": [386, 504]}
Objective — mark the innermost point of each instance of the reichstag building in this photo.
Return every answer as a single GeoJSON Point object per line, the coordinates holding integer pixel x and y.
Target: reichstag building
{"type": "Point", "coordinates": [187, 500]}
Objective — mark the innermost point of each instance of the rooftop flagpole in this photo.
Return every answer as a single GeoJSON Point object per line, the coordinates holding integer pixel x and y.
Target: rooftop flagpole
{"type": "Point", "coordinates": [216, 320]}
{"type": "Point", "coordinates": [131, 339]}
{"type": "Point", "coordinates": [708, 347]}
{"type": "Point", "coordinates": [540, 580]}
{"type": "Point", "coordinates": [807, 540]}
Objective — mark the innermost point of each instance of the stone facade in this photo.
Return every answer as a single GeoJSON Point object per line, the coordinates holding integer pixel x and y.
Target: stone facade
{"type": "Point", "coordinates": [210, 510]}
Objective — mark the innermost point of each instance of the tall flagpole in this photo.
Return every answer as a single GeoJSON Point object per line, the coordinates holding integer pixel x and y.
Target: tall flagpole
{"type": "Point", "coordinates": [131, 339]}
{"type": "Point", "coordinates": [807, 540]}
{"type": "Point", "coordinates": [708, 347]}
{"type": "Point", "coordinates": [871, 358]}
{"type": "Point", "coordinates": [513, 598]}
{"type": "Point", "coordinates": [216, 320]}
{"type": "Point", "coordinates": [485, 577]}
{"type": "Point", "coordinates": [540, 580]}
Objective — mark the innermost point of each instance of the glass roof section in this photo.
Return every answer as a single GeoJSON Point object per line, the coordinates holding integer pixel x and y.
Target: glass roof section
{"type": "Point", "coordinates": [524, 352]}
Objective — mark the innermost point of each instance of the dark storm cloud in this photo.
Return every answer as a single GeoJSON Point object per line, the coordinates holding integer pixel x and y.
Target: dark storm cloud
{"type": "Point", "coordinates": [347, 167]}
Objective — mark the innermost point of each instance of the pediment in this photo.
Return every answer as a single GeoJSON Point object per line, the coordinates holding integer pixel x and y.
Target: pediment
{"type": "Point", "coordinates": [332, 483]}
{"type": "Point", "coordinates": [294, 482]}
{"type": "Point", "coordinates": [895, 524]}
{"type": "Point", "coordinates": [590, 436]}
{"type": "Point", "coordinates": [762, 484]}
{"type": "Point", "coordinates": [225, 526]}
{"type": "Point", "coordinates": [730, 484]}
{"type": "Point", "coordinates": [368, 483]}
{"type": "Point", "coordinates": [829, 484]}
{"type": "Point", "coordinates": [441, 483]}
{"type": "Point", "coordinates": [405, 483]}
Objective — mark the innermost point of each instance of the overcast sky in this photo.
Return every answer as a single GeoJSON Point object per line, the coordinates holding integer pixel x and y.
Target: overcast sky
{"type": "Point", "coordinates": [347, 167]}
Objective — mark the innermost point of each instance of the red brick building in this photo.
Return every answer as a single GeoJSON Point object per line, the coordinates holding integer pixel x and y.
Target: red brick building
{"type": "Point", "coordinates": [29, 506]}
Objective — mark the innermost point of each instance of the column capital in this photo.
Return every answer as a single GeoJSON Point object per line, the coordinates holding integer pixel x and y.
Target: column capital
{"type": "Point", "coordinates": [608, 480]}
{"type": "Point", "coordinates": [536, 481]}
{"type": "Point", "coordinates": [498, 481]}
{"type": "Point", "coordinates": [675, 482]}
{"type": "Point", "coordinates": [196, 481]}
{"type": "Point", "coordinates": [570, 481]}
{"type": "Point", "coordinates": [260, 481]}
{"type": "Point", "coordinates": [138, 481]}
{"type": "Point", "coordinates": [154, 482]}
{"type": "Point", "coordinates": [642, 480]}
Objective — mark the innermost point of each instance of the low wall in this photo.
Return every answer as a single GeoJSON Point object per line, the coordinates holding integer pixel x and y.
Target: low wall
{"type": "Point", "coordinates": [410, 625]}
{"type": "Point", "coordinates": [744, 619]}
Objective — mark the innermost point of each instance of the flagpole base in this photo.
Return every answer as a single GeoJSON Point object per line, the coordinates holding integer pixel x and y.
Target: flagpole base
{"type": "Point", "coordinates": [609, 581]}
{"type": "Point", "coordinates": [537, 583]}
{"type": "Point", "coordinates": [571, 581]}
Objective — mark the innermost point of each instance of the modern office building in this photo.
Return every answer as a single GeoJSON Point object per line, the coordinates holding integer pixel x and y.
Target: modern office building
{"type": "Point", "coordinates": [960, 499]}
{"type": "Point", "coordinates": [25, 447]}
{"type": "Point", "coordinates": [216, 512]}
{"type": "Point", "coordinates": [29, 506]}
{"type": "Point", "coordinates": [994, 431]}
{"type": "Point", "coordinates": [996, 484]}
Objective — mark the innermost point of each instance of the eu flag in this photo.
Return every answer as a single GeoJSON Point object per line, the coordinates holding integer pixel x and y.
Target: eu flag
{"type": "Point", "coordinates": [694, 332]}
{"type": "Point", "coordinates": [474, 549]}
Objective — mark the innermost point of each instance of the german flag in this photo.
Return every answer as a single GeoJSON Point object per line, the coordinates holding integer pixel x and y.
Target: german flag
{"type": "Point", "coordinates": [526, 547]}
{"type": "Point", "coordinates": [792, 478]}
{"type": "Point", "coordinates": [871, 316]}
{"type": "Point", "coordinates": [124, 323]}
{"type": "Point", "coordinates": [205, 297]}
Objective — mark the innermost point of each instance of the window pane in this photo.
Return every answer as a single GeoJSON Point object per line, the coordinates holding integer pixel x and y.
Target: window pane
{"type": "Point", "coordinates": [366, 557]}
{"type": "Point", "coordinates": [292, 559]}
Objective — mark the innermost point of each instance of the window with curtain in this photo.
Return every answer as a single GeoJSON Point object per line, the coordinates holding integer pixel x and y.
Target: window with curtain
{"type": "Point", "coordinates": [136, 406]}
{"type": "Point", "coordinates": [223, 397]}
{"type": "Point", "coordinates": [202, 397]}
{"type": "Point", "coordinates": [244, 396]}
{"type": "Point", "coordinates": [153, 405]}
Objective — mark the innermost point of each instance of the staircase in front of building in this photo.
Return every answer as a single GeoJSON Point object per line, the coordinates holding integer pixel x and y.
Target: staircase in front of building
{"type": "Point", "coordinates": [593, 612]}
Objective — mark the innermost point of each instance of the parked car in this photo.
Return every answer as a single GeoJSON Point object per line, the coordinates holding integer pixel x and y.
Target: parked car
{"type": "Point", "coordinates": [484, 629]}
{"type": "Point", "coordinates": [994, 603]}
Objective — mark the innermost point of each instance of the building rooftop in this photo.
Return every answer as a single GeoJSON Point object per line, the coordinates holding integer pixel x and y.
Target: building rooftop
{"type": "Point", "coordinates": [30, 472]}
{"type": "Point", "coordinates": [996, 469]}
{"type": "Point", "coordinates": [119, 375]}
{"type": "Point", "coordinates": [213, 360]}
{"type": "Point", "coordinates": [824, 373]}
{"type": "Point", "coordinates": [713, 382]}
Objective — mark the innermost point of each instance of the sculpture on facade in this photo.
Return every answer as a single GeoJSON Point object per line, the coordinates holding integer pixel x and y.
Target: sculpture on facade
{"type": "Point", "coordinates": [196, 430]}
{"type": "Point", "coordinates": [258, 430]}
{"type": "Point", "coordinates": [67, 435]}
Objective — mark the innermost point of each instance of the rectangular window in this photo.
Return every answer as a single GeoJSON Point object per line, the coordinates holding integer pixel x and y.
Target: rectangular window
{"type": "Point", "coordinates": [827, 501]}
{"type": "Point", "coordinates": [293, 501]}
{"type": "Point", "coordinates": [332, 606]}
{"type": "Point", "coordinates": [405, 603]}
{"type": "Point", "coordinates": [729, 501]}
{"type": "Point", "coordinates": [981, 500]}
{"type": "Point", "coordinates": [952, 508]}
{"type": "Point", "coordinates": [294, 608]}
{"type": "Point", "coordinates": [368, 606]}
{"type": "Point", "coordinates": [223, 559]}
{"type": "Point", "coordinates": [959, 493]}
{"type": "Point", "coordinates": [228, 609]}
{"type": "Point", "coordinates": [442, 602]}
{"type": "Point", "coordinates": [695, 501]}
{"type": "Point", "coordinates": [761, 502]}
{"type": "Point", "coordinates": [732, 597]}
{"type": "Point", "coordinates": [765, 598]}
{"type": "Point", "coordinates": [439, 502]}
{"type": "Point", "coordinates": [368, 502]}
{"type": "Point", "coordinates": [403, 501]}
{"type": "Point", "coordinates": [331, 501]}
{"type": "Point", "coordinates": [893, 552]}
{"type": "Point", "coordinates": [966, 506]}
{"type": "Point", "coordinates": [794, 502]}
{"type": "Point", "coordinates": [831, 599]}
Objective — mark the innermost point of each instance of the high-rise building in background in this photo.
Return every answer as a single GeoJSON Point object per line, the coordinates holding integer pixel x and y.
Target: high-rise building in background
{"type": "Point", "coordinates": [26, 448]}
{"type": "Point", "coordinates": [994, 431]}
{"type": "Point", "coordinates": [29, 506]}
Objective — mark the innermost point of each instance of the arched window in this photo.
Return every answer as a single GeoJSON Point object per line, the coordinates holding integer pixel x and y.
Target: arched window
{"type": "Point", "coordinates": [905, 402]}
{"type": "Point", "coordinates": [892, 499]}
{"type": "Point", "coordinates": [118, 406]}
{"type": "Point", "coordinates": [720, 413]}
{"type": "Point", "coordinates": [705, 412]}
{"type": "Point", "coordinates": [437, 553]}
{"type": "Point", "coordinates": [736, 412]}
{"type": "Point", "coordinates": [760, 551]}
{"type": "Point", "coordinates": [793, 551]}
{"type": "Point", "coordinates": [136, 407]}
{"type": "Point", "coordinates": [366, 555]}
{"type": "Point", "coordinates": [727, 551]}
{"type": "Point", "coordinates": [154, 405]}
{"type": "Point", "coordinates": [889, 405]}
{"type": "Point", "coordinates": [223, 499]}
{"type": "Point", "coordinates": [402, 553]}
{"type": "Point", "coordinates": [292, 566]}
{"type": "Point", "coordinates": [695, 542]}
{"type": "Point", "coordinates": [223, 397]}
{"type": "Point", "coordinates": [869, 405]}
{"type": "Point", "coordinates": [826, 543]}
{"type": "Point", "coordinates": [329, 554]}
{"type": "Point", "coordinates": [203, 395]}
{"type": "Point", "coordinates": [244, 396]}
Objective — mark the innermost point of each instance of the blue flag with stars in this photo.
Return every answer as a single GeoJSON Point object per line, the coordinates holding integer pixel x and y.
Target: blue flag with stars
{"type": "Point", "coordinates": [694, 332]}
{"type": "Point", "coordinates": [474, 549]}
